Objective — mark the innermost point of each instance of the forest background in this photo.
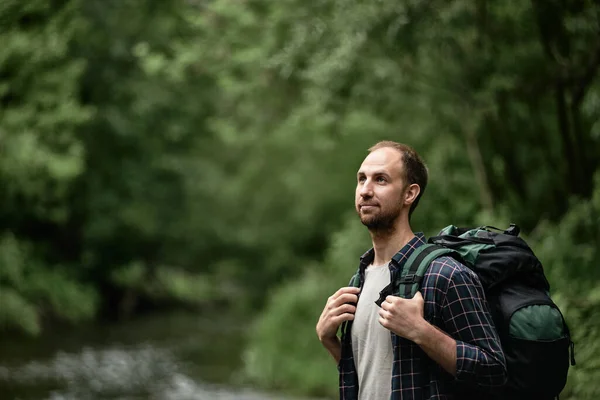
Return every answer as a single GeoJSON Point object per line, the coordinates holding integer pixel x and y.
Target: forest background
{"type": "Point", "coordinates": [201, 154]}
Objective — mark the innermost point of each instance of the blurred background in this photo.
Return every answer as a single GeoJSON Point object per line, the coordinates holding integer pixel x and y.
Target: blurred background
{"type": "Point", "coordinates": [177, 177]}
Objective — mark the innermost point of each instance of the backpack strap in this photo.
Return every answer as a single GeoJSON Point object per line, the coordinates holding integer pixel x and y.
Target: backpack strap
{"type": "Point", "coordinates": [355, 280]}
{"type": "Point", "coordinates": [409, 281]}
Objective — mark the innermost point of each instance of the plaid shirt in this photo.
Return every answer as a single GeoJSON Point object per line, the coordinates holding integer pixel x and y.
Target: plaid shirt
{"type": "Point", "coordinates": [454, 302]}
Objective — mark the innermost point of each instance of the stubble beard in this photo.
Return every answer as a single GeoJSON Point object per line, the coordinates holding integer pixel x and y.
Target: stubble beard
{"type": "Point", "coordinates": [381, 223]}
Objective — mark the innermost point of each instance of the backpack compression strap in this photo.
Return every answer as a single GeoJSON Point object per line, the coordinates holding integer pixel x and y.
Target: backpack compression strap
{"type": "Point", "coordinates": [415, 267]}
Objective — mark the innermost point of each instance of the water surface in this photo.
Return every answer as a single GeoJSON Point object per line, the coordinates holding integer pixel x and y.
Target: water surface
{"type": "Point", "coordinates": [165, 357]}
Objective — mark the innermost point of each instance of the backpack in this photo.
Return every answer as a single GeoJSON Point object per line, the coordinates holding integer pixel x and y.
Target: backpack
{"type": "Point", "coordinates": [532, 330]}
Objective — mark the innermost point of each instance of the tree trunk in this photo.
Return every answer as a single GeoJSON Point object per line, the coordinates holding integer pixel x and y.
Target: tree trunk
{"type": "Point", "coordinates": [478, 164]}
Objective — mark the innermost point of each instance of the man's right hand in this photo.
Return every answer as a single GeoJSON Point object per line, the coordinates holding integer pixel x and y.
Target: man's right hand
{"type": "Point", "coordinates": [336, 311]}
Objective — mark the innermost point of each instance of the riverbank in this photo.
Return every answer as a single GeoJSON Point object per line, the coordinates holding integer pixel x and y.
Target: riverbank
{"type": "Point", "coordinates": [179, 356]}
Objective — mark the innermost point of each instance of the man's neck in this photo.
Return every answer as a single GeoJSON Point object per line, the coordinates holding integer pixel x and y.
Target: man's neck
{"type": "Point", "coordinates": [386, 245]}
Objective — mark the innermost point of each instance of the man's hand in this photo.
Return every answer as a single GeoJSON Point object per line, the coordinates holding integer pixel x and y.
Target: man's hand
{"type": "Point", "coordinates": [336, 311]}
{"type": "Point", "coordinates": [404, 317]}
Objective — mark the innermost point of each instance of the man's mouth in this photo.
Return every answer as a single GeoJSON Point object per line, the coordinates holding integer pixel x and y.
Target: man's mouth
{"type": "Point", "coordinates": [367, 206]}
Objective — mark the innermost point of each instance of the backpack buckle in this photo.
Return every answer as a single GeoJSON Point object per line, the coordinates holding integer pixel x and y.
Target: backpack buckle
{"type": "Point", "coordinates": [387, 291]}
{"type": "Point", "coordinates": [513, 230]}
{"type": "Point", "coordinates": [410, 279]}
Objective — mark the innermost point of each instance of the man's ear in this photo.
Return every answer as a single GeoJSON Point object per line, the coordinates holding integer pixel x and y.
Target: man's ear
{"type": "Point", "coordinates": [411, 193]}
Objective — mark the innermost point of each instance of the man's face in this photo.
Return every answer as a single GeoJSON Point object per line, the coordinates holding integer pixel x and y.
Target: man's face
{"type": "Point", "coordinates": [380, 189]}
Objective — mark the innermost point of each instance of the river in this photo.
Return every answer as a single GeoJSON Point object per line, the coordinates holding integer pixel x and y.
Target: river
{"type": "Point", "coordinates": [160, 357]}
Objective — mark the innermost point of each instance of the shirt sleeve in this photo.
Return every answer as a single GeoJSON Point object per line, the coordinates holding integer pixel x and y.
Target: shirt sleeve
{"type": "Point", "coordinates": [479, 356]}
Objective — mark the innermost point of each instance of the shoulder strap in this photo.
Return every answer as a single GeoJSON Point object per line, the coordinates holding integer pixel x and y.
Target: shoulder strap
{"type": "Point", "coordinates": [355, 280]}
{"type": "Point", "coordinates": [409, 280]}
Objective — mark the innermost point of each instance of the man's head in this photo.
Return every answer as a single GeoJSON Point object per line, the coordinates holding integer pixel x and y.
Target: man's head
{"type": "Point", "coordinates": [390, 183]}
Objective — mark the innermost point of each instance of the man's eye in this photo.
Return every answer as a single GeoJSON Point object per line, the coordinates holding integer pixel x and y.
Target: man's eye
{"type": "Point", "coordinates": [381, 179]}
{"type": "Point", "coordinates": [361, 179]}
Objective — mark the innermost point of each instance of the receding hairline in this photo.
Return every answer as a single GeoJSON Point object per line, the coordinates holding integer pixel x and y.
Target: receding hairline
{"type": "Point", "coordinates": [399, 149]}
{"type": "Point", "coordinates": [408, 155]}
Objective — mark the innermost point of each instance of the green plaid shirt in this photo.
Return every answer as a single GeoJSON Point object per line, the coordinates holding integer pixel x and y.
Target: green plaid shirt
{"type": "Point", "coordinates": [454, 302]}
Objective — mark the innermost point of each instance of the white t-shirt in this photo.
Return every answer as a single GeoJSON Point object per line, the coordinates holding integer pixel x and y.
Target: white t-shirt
{"type": "Point", "coordinates": [371, 342]}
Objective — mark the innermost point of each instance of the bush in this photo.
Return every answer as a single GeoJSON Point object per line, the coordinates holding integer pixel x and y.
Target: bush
{"type": "Point", "coordinates": [284, 351]}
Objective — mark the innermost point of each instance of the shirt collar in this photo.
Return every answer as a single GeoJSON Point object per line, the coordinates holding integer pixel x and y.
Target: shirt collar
{"type": "Point", "coordinates": [400, 257]}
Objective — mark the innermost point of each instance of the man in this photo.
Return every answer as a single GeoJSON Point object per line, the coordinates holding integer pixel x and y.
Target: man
{"type": "Point", "coordinates": [441, 343]}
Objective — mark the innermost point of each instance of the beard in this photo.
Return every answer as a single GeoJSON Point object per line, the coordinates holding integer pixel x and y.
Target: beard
{"type": "Point", "coordinates": [381, 222]}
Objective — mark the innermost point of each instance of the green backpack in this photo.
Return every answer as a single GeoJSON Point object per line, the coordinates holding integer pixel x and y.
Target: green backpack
{"type": "Point", "coordinates": [533, 333]}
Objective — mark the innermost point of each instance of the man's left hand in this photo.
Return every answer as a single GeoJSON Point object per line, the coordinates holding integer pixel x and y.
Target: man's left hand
{"type": "Point", "coordinates": [404, 317]}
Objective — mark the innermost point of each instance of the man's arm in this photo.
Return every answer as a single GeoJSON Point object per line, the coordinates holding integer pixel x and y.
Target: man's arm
{"type": "Point", "coordinates": [470, 350]}
{"type": "Point", "coordinates": [440, 347]}
{"type": "Point", "coordinates": [334, 347]}
{"type": "Point", "coordinates": [464, 310]}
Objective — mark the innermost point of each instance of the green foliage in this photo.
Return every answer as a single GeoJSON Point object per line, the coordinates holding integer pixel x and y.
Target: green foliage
{"type": "Point", "coordinates": [284, 350]}
{"type": "Point", "coordinates": [41, 151]}
{"type": "Point", "coordinates": [181, 152]}
{"type": "Point", "coordinates": [31, 291]}
{"type": "Point", "coordinates": [164, 283]}
{"type": "Point", "coordinates": [17, 313]}
{"type": "Point", "coordinates": [570, 255]}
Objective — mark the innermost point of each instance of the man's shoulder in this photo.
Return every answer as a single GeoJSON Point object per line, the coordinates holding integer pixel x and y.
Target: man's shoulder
{"type": "Point", "coordinates": [447, 268]}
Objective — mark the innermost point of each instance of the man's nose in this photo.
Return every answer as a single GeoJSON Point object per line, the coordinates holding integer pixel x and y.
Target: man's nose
{"type": "Point", "coordinates": [366, 191]}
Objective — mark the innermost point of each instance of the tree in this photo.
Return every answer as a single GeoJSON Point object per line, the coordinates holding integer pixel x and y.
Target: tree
{"type": "Point", "coordinates": [42, 155]}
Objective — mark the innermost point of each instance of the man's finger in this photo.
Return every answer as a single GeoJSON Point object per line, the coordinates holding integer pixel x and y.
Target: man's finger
{"type": "Point", "coordinates": [344, 298]}
{"type": "Point", "coordinates": [386, 305]}
{"type": "Point", "coordinates": [390, 299]}
{"type": "Point", "coordinates": [343, 309]}
{"type": "Point", "coordinates": [343, 317]}
{"type": "Point", "coordinates": [344, 290]}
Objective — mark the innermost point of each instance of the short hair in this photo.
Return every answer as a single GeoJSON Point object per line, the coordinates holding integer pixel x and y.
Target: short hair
{"type": "Point", "coordinates": [415, 170]}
